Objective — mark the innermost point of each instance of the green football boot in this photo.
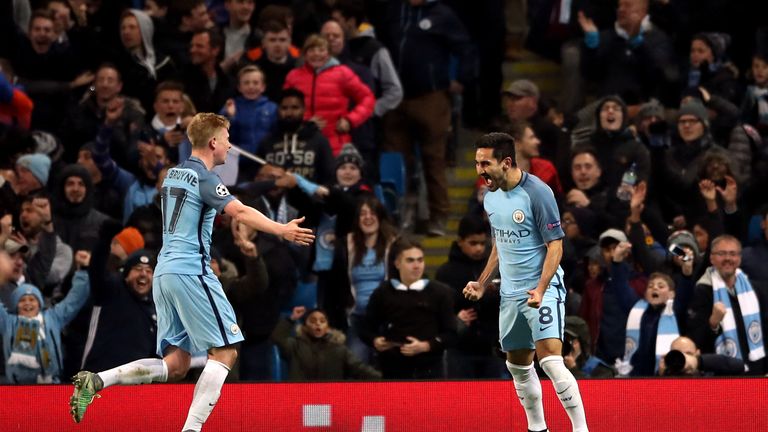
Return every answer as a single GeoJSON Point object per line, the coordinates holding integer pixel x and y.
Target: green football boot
{"type": "Point", "coordinates": [86, 386]}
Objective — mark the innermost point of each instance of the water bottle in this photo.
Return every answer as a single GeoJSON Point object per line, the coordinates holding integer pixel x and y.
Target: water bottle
{"type": "Point", "coordinates": [628, 181]}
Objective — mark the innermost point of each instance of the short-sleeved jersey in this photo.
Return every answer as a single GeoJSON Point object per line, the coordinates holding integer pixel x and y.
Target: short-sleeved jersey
{"type": "Point", "coordinates": [190, 198]}
{"type": "Point", "coordinates": [523, 220]}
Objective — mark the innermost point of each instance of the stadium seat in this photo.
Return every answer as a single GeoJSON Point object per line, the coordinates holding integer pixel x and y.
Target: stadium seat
{"type": "Point", "coordinates": [391, 188]}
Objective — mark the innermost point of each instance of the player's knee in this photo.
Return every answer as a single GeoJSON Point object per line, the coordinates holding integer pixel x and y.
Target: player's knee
{"type": "Point", "coordinates": [177, 369]}
{"type": "Point", "coordinates": [226, 355]}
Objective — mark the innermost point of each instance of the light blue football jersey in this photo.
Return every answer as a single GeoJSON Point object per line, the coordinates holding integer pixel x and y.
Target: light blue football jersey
{"type": "Point", "coordinates": [190, 198]}
{"type": "Point", "coordinates": [523, 220]}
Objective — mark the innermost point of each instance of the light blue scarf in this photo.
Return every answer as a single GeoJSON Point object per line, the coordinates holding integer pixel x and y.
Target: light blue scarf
{"type": "Point", "coordinates": [727, 343]}
{"type": "Point", "coordinates": [666, 332]}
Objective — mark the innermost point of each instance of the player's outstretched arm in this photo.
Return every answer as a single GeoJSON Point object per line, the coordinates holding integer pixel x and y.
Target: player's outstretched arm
{"type": "Point", "coordinates": [253, 218]}
{"type": "Point", "coordinates": [475, 290]}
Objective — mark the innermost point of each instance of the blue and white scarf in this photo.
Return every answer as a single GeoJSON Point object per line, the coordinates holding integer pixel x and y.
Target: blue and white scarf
{"type": "Point", "coordinates": [666, 332]}
{"type": "Point", "coordinates": [761, 96]}
{"type": "Point", "coordinates": [727, 343]}
{"type": "Point", "coordinates": [325, 242]}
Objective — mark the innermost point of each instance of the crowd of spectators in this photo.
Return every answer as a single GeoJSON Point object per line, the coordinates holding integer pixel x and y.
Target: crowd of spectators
{"type": "Point", "coordinates": [656, 150]}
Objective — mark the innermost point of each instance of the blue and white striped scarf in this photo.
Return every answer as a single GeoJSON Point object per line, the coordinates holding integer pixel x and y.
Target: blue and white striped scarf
{"type": "Point", "coordinates": [727, 343]}
{"type": "Point", "coordinates": [666, 332]}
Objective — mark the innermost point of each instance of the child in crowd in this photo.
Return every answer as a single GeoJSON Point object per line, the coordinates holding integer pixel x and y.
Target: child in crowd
{"type": "Point", "coordinates": [32, 336]}
{"type": "Point", "coordinates": [252, 116]}
{"type": "Point", "coordinates": [317, 351]}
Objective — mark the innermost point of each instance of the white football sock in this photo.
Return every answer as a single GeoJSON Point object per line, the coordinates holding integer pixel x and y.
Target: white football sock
{"type": "Point", "coordinates": [198, 361]}
{"type": "Point", "coordinates": [207, 392]}
{"type": "Point", "coordinates": [567, 390]}
{"type": "Point", "coordinates": [142, 371]}
{"type": "Point", "coordinates": [528, 388]}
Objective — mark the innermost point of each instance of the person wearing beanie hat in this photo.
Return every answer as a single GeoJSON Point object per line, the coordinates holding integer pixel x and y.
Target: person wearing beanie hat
{"type": "Point", "coordinates": [696, 109]}
{"type": "Point", "coordinates": [32, 173]}
{"type": "Point", "coordinates": [652, 127]}
{"type": "Point", "coordinates": [652, 108]}
{"type": "Point", "coordinates": [709, 66]}
{"type": "Point", "coordinates": [682, 163]}
{"type": "Point", "coordinates": [76, 220]}
{"type": "Point", "coordinates": [684, 238]}
{"type": "Point", "coordinates": [32, 335]}
{"type": "Point", "coordinates": [127, 242]}
{"type": "Point", "coordinates": [137, 264]}
{"type": "Point", "coordinates": [715, 50]}
{"type": "Point", "coordinates": [30, 308]}
{"type": "Point", "coordinates": [349, 154]}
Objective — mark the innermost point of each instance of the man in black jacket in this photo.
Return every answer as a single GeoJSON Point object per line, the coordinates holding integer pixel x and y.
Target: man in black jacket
{"type": "Point", "coordinates": [204, 80]}
{"type": "Point", "coordinates": [296, 146]}
{"type": "Point", "coordinates": [728, 314]}
{"type": "Point", "coordinates": [77, 221]}
{"type": "Point", "coordinates": [474, 355]}
{"type": "Point", "coordinates": [120, 298]}
{"type": "Point", "coordinates": [409, 320]}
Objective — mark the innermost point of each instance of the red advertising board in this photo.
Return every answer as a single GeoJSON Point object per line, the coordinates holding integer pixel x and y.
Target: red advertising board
{"type": "Point", "coordinates": [611, 405]}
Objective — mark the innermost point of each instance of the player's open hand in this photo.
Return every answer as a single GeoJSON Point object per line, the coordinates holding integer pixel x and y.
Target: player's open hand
{"type": "Point", "coordinates": [296, 234]}
{"type": "Point", "coordinates": [473, 291]}
{"type": "Point", "coordinates": [534, 298]}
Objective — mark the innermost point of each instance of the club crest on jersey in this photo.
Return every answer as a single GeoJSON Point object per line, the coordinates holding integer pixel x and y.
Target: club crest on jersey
{"type": "Point", "coordinates": [518, 216]}
{"type": "Point", "coordinates": [234, 329]}
{"type": "Point", "coordinates": [221, 190]}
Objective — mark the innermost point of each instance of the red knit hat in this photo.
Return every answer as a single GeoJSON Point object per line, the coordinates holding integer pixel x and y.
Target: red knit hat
{"type": "Point", "coordinates": [130, 240]}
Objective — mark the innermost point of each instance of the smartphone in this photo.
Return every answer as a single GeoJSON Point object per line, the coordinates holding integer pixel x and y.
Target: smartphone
{"type": "Point", "coordinates": [679, 252]}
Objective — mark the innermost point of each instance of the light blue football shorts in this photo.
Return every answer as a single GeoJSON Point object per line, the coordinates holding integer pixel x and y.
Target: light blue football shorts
{"type": "Point", "coordinates": [520, 325]}
{"type": "Point", "coordinates": [193, 313]}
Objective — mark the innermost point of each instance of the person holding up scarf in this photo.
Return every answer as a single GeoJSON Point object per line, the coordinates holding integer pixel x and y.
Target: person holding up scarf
{"type": "Point", "coordinates": [728, 313]}
{"type": "Point", "coordinates": [652, 325]}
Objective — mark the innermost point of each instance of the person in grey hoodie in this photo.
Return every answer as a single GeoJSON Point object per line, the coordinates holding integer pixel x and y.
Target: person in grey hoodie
{"type": "Point", "coordinates": [140, 64]}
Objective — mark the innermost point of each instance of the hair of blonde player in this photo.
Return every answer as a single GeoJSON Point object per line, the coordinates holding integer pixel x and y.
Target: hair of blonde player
{"type": "Point", "coordinates": [203, 127]}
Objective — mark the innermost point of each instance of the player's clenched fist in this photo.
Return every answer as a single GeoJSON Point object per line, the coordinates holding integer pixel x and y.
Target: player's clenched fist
{"type": "Point", "coordinates": [473, 291]}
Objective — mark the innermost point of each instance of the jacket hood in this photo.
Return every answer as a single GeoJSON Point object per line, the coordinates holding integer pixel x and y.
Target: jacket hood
{"type": "Point", "coordinates": [61, 205]}
{"type": "Point", "coordinates": [332, 61]}
{"type": "Point", "coordinates": [147, 32]}
{"type": "Point", "coordinates": [625, 114]}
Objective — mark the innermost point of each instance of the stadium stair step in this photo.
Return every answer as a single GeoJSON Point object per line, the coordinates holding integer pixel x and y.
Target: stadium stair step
{"type": "Point", "coordinates": [461, 179]}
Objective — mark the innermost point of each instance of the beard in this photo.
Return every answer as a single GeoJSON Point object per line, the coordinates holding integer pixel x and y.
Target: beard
{"type": "Point", "coordinates": [290, 124]}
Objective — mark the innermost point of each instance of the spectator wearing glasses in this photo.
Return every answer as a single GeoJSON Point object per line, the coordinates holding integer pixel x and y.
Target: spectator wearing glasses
{"type": "Point", "coordinates": [681, 164]}
{"type": "Point", "coordinates": [728, 314]}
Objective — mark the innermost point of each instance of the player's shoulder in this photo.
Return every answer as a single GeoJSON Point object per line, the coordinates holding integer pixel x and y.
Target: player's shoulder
{"type": "Point", "coordinates": [534, 186]}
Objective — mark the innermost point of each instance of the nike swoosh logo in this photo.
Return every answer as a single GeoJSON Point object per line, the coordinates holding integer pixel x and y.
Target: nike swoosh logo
{"type": "Point", "coordinates": [561, 392]}
{"type": "Point", "coordinates": [491, 214]}
{"type": "Point", "coordinates": [544, 328]}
